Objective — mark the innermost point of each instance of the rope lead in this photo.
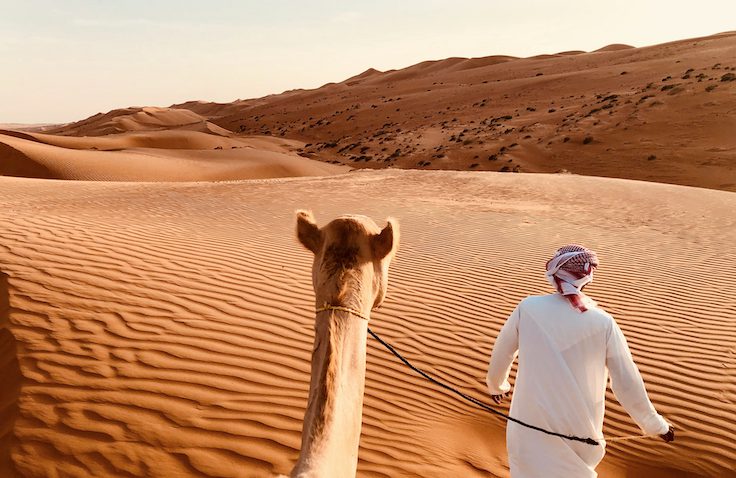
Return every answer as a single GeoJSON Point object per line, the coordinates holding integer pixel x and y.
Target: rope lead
{"type": "Point", "coordinates": [589, 441]}
{"type": "Point", "coordinates": [475, 401]}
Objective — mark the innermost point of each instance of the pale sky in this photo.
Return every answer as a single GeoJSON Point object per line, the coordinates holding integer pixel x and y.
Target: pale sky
{"type": "Point", "coordinates": [64, 60]}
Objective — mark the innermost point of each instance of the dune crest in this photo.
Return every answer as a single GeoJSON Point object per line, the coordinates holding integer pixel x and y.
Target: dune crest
{"type": "Point", "coordinates": [614, 47]}
{"type": "Point", "coordinates": [147, 118]}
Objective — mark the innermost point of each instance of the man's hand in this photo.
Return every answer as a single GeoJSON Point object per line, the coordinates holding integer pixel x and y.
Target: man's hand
{"type": "Point", "coordinates": [668, 437]}
{"type": "Point", "coordinates": [499, 398]}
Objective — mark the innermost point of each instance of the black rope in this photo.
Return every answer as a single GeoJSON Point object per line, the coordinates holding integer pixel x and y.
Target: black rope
{"type": "Point", "coordinates": [589, 441]}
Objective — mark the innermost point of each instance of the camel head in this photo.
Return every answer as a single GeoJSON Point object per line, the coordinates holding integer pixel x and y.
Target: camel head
{"type": "Point", "coordinates": [351, 258]}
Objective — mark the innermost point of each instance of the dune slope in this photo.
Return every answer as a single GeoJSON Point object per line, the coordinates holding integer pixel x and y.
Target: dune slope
{"type": "Point", "coordinates": [166, 329]}
{"type": "Point", "coordinates": [171, 155]}
{"type": "Point", "coordinates": [662, 113]}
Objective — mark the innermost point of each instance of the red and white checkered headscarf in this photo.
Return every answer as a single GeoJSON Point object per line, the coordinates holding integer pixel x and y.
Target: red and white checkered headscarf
{"type": "Point", "coordinates": [571, 269]}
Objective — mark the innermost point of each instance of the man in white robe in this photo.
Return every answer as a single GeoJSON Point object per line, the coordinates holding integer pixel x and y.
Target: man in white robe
{"type": "Point", "coordinates": [567, 346]}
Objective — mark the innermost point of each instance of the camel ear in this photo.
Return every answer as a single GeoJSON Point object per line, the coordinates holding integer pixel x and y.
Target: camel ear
{"type": "Point", "coordinates": [387, 241]}
{"type": "Point", "coordinates": [307, 231]}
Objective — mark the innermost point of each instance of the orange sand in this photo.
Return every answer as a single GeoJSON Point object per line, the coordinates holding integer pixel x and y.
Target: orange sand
{"type": "Point", "coordinates": [165, 329]}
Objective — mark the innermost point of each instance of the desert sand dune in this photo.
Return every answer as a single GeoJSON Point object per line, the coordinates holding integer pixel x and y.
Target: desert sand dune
{"type": "Point", "coordinates": [172, 155]}
{"type": "Point", "coordinates": [148, 118]}
{"type": "Point", "coordinates": [660, 113]}
{"type": "Point", "coordinates": [166, 139]}
{"type": "Point", "coordinates": [166, 329]}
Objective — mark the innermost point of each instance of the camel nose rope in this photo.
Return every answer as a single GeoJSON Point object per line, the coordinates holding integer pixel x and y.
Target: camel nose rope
{"type": "Point", "coordinates": [475, 401]}
{"type": "Point", "coordinates": [342, 309]}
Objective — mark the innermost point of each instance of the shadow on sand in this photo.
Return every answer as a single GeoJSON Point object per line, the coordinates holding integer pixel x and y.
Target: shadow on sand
{"type": "Point", "coordinates": [10, 379]}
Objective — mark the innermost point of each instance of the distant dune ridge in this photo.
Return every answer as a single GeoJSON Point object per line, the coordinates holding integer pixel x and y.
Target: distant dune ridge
{"type": "Point", "coordinates": [157, 312]}
{"type": "Point", "coordinates": [662, 113]}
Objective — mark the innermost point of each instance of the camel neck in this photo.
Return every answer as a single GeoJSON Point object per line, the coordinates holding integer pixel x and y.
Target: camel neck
{"type": "Point", "coordinates": [331, 431]}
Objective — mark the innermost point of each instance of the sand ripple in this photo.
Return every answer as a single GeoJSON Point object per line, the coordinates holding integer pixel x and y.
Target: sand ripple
{"type": "Point", "coordinates": [165, 329]}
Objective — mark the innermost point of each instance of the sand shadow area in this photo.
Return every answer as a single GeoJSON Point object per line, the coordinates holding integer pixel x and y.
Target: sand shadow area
{"type": "Point", "coordinates": [10, 378]}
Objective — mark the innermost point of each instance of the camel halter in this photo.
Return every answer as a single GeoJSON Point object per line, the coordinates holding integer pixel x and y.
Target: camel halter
{"type": "Point", "coordinates": [473, 400]}
{"type": "Point", "coordinates": [340, 308]}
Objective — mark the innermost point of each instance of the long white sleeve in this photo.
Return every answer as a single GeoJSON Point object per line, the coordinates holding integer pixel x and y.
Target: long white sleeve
{"type": "Point", "coordinates": [503, 355]}
{"type": "Point", "coordinates": [628, 386]}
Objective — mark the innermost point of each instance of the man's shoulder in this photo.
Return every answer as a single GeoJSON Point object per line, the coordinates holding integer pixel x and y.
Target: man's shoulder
{"type": "Point", "coordinates": [535, 298]}
{"type": "Point", "coordinates": [540, 303]}
{"type": "Point", "coordinates": [545, 299]}
{"type": "Point", "coordinates": [549, 301]}
{"type": "Point", "coordinates": [595, 309]}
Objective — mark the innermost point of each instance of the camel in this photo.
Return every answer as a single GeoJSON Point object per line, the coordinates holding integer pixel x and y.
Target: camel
{"type": "Point", "coordinates": [350, 277]}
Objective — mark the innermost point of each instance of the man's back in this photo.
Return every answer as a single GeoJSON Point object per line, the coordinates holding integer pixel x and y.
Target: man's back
{"type": "Point", "coordinates": [562, 364]}
{"type": "Point", "coordinates": [564, 358]}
